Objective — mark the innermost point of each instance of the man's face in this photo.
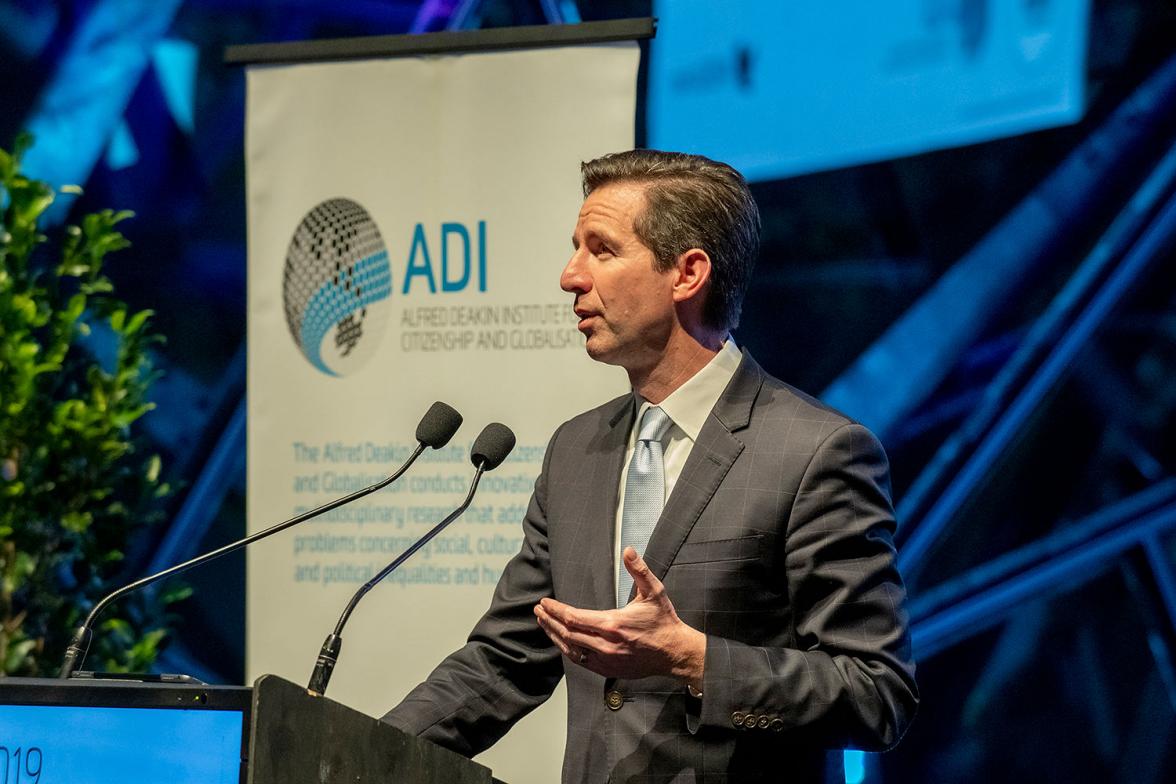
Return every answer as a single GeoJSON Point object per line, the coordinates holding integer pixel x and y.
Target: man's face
{"type": "Point", "coordinates": [625, 305]}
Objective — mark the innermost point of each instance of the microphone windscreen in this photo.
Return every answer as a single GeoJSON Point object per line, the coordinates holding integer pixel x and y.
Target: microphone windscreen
{"type": "Point", "coordinates": [438, 425]}
{"type": "Point", "coordinates": [492, 446]}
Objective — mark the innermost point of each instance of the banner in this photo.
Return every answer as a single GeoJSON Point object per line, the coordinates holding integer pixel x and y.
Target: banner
{"type": "Point", "coordinates": [408, 222]}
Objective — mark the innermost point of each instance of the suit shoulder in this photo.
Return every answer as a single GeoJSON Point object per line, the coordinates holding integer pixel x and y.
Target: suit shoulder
{"type": "Point", "coordinates": [596, 419]}
{"type": "Point", "coordinates": [800, 405]}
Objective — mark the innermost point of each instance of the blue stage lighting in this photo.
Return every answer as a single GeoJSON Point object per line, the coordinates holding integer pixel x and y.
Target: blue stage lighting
{"type": "Point", "coordinates": [855, 766]}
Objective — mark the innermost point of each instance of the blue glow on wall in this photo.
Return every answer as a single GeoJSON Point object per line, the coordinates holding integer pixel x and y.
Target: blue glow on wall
{"type": "Point", "coordinates": [855, 767]}
{"type": "Point", "coordinates": [122, 152]}
{"type": "Point", "coordinates": [83, 102]}
{"type": "Point", "coordinates": [779, 89]}
{"type": "Point", "coordinates": [175, 63]}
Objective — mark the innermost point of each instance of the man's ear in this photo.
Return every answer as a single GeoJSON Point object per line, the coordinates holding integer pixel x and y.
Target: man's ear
{"type": "Point", "coordinates": [692, 276]}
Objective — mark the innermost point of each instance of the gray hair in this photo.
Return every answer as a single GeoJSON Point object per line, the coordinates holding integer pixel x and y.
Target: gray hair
{"type": "Point", "coordinates": [691, 202]}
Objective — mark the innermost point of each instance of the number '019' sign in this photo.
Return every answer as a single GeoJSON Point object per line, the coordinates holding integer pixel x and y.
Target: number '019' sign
{"type": "Point", "coordinates": [20, 765]}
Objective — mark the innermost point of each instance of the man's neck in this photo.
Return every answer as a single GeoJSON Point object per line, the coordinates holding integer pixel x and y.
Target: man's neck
{"type": "Point", "coordinates": [685, 355]}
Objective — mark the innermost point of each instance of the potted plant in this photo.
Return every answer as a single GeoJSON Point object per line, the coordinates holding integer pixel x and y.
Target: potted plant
{"type": "Point", "coordinates": [75, 482]}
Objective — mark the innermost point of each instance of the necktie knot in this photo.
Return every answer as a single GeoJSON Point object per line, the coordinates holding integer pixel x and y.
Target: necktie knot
{"type": "Point", "coordinates": [654, 424]}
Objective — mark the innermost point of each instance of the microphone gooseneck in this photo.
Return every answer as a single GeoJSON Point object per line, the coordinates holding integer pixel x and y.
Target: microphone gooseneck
{"type": "Point", "coordinates": [438, 424]}
{"type": "Point", "coordinates": [490, 448]}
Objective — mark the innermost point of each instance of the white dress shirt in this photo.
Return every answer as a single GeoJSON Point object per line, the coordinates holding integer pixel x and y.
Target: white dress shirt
{"type": "Point", "coordinates": [688, 406]}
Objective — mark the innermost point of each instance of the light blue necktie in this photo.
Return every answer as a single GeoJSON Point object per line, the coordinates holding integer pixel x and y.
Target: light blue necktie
{"type": "Point", "coordinates": [645, 492]}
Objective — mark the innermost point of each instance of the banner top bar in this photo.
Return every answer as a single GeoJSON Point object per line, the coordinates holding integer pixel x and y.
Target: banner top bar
{"type": "Point", "coordinates": [450, 42]}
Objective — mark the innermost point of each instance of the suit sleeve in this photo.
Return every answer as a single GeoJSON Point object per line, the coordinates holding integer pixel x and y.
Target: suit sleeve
{"type": "Point", "coordinates": [508, 666]}
{"type": "Point", "coordinates": [847, 680]}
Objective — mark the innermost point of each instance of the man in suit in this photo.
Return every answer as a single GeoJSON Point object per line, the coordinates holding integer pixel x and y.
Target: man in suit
{"type": "Point", "coordinates": [708, 560]}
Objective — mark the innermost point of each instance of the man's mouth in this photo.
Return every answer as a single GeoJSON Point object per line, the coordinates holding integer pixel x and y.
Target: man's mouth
{"type": "Point", "coordinates": [585, 316]}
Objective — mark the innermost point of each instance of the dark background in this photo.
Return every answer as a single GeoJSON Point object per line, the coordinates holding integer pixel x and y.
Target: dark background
{"type": "Point", "coordinates": [1033, 475]}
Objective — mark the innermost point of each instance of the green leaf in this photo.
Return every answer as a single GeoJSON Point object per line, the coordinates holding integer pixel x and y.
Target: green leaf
{"type": "Point", "coordinates": [24, 564]}
{"type": "Point", "coordinates": [117, 626]}
{"type": "Point", "coordinates": [138, 320]}
{"type": "Point", "coordinates": [76, 522]}
{"type": "Point", "coordinates": [17, 653]}
{"type": "Point", "coordinates": [74, 269]}
{"type": "Point", "coordinates": [98, 286]}
{"type": "Point", "coordinates": [25, 307]}
{"type": "Point", "coordinates": [153, 466]}
{"type": "Point", "coordinates": [73, 310]}
{"type": "Point", "coordinates": [21, 144]}
{"type": "Point", "coordinates": [147, 648]}
{"type": "Point", "coordinates": [175, 593]}
{"type": "Point", "coordinates": [18, 571]}
{"type": "Point", "coordinates": [28, 203]}
{"type": "Point", "coordinates": [125, 418]}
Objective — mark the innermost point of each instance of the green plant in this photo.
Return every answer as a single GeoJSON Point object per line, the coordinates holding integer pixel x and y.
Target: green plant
{"type": "Point", "coordinates": [74, 484]}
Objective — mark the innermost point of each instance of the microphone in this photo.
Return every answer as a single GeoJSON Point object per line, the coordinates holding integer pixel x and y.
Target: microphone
{"type": "Point", "coordinates": [435, 429]}
{"type": "Point", "coordinates": [490, 448]}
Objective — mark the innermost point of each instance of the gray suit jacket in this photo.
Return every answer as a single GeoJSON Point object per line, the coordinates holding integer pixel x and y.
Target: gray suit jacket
{"type": "Point", "coordinates": [776, 542]}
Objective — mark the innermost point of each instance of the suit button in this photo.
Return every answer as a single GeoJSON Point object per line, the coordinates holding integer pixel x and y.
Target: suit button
{"type": "Point", "coordinates": [750, 720]}
{"type": "Point", "coordinates": [763, 722]}
{"type": "Point", "coordinates": [777, 725]}
{"type": "Point", "coordinates": [737, 718]}
{"type": "Point", "coordinates": [614, 700]}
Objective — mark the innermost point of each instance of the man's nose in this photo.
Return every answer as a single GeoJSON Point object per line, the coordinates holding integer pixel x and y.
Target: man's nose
{"type": "Point", "coordinates": [574, 278]}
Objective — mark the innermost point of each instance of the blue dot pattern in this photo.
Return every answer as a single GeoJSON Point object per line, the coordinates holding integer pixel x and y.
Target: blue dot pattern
{"type": "Point", "coordinates": [370, 280]}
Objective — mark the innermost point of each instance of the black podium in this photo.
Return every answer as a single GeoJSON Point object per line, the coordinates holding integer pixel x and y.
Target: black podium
{"type": "Point", "coordinates": [298, 738]}
{"type": "Point", "coordinates": [101, 731]}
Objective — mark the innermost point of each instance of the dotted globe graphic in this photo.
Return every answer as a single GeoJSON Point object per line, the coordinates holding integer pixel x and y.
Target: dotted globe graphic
{"type": "Point", "coordinates": [336, 286]}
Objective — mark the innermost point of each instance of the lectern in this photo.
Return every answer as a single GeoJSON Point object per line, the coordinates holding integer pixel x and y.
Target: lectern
{"type": "Point", "coordinates": [105, 731]}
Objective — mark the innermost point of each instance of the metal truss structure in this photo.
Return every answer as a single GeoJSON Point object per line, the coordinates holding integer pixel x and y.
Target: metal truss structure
{"type": "Point", "coordinates": [1027, 396]}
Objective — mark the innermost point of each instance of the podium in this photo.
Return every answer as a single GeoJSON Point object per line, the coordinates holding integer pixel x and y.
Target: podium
{"type": "Point", "coordinates": [298, 738]}
{"type": "Point", "coordinates": [104, 731]}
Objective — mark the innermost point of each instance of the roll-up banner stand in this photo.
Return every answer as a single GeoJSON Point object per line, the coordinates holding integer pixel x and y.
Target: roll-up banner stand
{"type": "Point", "coordinates": [410, 205]}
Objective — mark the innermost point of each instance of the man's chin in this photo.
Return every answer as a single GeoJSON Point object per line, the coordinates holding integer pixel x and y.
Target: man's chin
{"type": "Point", "coordinates": [601, 350]}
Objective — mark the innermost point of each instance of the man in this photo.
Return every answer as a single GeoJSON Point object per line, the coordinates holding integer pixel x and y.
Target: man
{"type": "Point", "coordinates": [707, 560]}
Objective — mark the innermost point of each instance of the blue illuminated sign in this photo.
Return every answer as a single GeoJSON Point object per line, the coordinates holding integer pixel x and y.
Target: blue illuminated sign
{"type": "Point", "coordinates": [71, 745]}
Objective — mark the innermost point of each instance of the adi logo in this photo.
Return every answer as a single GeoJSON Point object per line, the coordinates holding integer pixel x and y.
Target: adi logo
{"type": "Point", "coordinates": [336, 286]}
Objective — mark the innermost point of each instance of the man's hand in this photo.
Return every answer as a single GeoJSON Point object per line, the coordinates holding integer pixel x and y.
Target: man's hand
{"type": "Point", "coordinates": [645, 637]}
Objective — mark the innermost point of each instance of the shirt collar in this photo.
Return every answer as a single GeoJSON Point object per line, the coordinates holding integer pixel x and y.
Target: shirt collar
{"type": "Point", "coordinates": [690, 404]}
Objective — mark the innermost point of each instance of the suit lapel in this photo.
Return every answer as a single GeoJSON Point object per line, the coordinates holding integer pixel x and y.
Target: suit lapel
{"type": "Point", "coordinates": [711, 458]}
{"type": "Point", "coordinates": [600, 511]}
